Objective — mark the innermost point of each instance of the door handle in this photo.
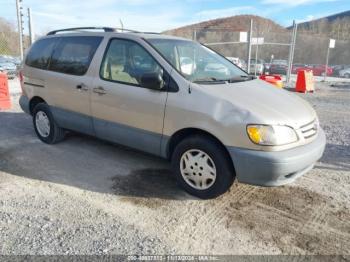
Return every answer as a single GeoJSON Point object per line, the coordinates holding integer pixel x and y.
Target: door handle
{"type": "Point", "coordinates": [82, 87]}
{"type": "Point", "coordinates": [99, 90]}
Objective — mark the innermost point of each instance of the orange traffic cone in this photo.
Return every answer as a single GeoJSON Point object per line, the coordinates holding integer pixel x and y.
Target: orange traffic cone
{"type": "Point", "coordinates": [305, 81]}
{"type": "Point", "coordinates": [5, 101]}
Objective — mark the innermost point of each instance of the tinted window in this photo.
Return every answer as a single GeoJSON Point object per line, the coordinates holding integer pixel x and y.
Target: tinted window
{"type": "Point", "coordinates": [73, 55]}
{"type": "Point", "coordinates": [40, 53]}
{"type": "Point", "coordinates": [126, 61]}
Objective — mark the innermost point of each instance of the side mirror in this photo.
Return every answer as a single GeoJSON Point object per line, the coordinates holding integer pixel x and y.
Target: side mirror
{"type": "Point", "coordinates": [152, 80]}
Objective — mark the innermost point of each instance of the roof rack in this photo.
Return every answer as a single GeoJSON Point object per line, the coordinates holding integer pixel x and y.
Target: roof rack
{"type": "Point", "coordinates": [151, 33]}
{"type": "Point", "coordinates": [105, 29]}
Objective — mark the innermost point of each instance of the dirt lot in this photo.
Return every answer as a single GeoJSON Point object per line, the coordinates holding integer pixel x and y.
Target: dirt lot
{"type": "Point", "coordinates": [85, 196]}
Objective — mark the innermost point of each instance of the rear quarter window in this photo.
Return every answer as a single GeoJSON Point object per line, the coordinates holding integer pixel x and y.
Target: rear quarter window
{"type": "Point", "coordinates": [40, 53]}
{"type": "Point", "coordinates": [73, 55]}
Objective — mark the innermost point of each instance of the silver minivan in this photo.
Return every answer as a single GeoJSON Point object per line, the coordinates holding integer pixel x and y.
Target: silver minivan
{"type": "Point", "coordinates": [173, 98]}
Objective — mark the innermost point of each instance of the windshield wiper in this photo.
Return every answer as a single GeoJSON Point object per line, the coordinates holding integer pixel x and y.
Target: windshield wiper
{"type": "Point", "coordinates": [241, 78]}
{"type": "Point", "coordinates": [208, 80]}
{"type": "Point", "coordinates": [236, 79]}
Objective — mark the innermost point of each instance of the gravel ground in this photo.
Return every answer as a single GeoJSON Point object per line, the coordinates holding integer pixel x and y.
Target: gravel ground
{"type": "Point", "coordinates": [85, 196]}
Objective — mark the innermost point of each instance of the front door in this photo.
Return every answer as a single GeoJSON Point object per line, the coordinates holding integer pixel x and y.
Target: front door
{"type": "Point", "coordinates": [122, 110]}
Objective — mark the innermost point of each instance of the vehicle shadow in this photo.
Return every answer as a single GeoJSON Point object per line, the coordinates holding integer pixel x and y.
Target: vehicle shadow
{"type": "Point", "coordinates": [83, 162]}
{"type": "Point", "coordinates": [95, 165]}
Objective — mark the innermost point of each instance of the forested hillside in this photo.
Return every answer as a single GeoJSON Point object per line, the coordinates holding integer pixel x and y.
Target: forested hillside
{"type": "Point", "coordinates": [311, 45]}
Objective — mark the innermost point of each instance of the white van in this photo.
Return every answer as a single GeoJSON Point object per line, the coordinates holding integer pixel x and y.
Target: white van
{"type": "Point", "coordinates": [173, 98]}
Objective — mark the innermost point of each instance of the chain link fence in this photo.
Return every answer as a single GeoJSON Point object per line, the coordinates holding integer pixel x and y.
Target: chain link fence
{"type": "Point", "coordinates": [14, 36]}
{"type": "Point", "coordinates": [8, 39]}
{"type": "Point", "coordinates": [275, 55]}
{"type": "Point", "coordinates": [9, 49]}
{"type": "Point", "coordinates": [311, 50]}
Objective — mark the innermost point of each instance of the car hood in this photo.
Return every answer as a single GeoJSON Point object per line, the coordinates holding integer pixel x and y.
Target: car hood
{"type": "Point", "coordinates": [265, 103]}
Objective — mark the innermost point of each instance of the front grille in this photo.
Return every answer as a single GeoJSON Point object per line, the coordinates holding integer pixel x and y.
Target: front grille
{"type": "Point", "coordinates": [309, 130]}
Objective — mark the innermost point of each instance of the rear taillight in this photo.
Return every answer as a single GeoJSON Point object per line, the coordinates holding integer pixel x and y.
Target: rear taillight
{"type": "Point", "coordinates": [21, 80]}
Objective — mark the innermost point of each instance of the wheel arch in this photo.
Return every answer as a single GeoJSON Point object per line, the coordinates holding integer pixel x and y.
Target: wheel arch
{"type": "Point", "coordinates": [34, 101]}
{"type": "Point", "coordinates": [184, 133]}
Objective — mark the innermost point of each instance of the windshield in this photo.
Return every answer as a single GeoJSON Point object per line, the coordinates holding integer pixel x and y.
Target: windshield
{"type": "Point", "coordinates": [198, 63]}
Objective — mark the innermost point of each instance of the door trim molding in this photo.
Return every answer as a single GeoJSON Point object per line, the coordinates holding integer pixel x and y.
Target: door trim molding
{"type": "Point", "coordinates": [136, 138]}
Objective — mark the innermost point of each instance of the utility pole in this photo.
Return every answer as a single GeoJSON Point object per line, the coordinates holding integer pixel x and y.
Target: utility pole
{"type": "Point", "coordinates": [257, 50]}
{"type": "Point", "coordinates": [250, 45]}
{"type": "Point", "coordinates": [330, 46]}
{"type": "Point", "coordinates": [121, 24]}
{"type": "Point", "coordinates": [256, 56]}
{"type": "Point", "coordinates": [20, 27]}
{"type": "Point", "coordinates": [291, 51]}
{"type": "Point", "coordinates": [30, 26]}
{"type": "Point", "coordinates": [326, 68]}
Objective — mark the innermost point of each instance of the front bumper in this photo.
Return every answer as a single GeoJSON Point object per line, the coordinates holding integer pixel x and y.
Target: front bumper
{"type": "Point", "coordinates": [276, 168]}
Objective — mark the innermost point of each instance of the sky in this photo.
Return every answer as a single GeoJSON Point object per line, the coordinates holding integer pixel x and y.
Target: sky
{"type": "Point", "coordinates": [160, 15]}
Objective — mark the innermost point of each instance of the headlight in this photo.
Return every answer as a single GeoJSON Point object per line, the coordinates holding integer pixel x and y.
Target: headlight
{"type": "Point", "coordinates": [271, 135]}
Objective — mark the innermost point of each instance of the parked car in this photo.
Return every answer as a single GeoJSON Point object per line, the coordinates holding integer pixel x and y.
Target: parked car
{"type": "Point", "coordinates": [243, 64]}
{"type": "Point", "coordinates": [345, 73]}
{"type": "Point", "coordinates": [267, 68]}
{"type": "Point", "coordinates": [238, 62]}
{"type": "Point", "coordinates": [338, 68]}
{"type": "Point", "coordinates": [9, 68]}
{"type": "Point", "coordinates": [257, 66]}
{"type": "Point", "coordinates": [234, 60]}
{"type": "Point", "coordinates": [217, 70]}
{"type": "Point", "coordinates": [320, 70]}
{"type": "Point", "coordinates": [10, 59]}
{"type": "Point", "coordinates": [278, 67]}
{"type": "Point", "coordinates": [17, 61]}
{"type": "Point", "coordinates": [214, 125]}
{"type": "Point", "coordinates": [297, 67]}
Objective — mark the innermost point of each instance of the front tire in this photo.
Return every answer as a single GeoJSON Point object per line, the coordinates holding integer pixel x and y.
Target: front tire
{"type": "Point", "coordinates": [202, 167]}
{"type": "Point", "coordinates": [45, 126]}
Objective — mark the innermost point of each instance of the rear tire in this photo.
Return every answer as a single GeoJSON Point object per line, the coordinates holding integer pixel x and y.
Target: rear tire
{"type": "Point", "coordinates": [45, 126]}
{"type": "Point", "coordinates": [194, 162]}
